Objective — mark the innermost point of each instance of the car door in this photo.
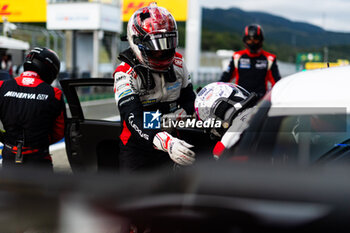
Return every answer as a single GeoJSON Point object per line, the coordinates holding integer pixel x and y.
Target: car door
{"type": "Point", "coordinates": [92, 125]}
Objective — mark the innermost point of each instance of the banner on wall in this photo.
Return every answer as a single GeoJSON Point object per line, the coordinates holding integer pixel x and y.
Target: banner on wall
{"type": "Point", "coordinates": [177, 8]}
{"type": "Point", "coordinates": [23, 10]}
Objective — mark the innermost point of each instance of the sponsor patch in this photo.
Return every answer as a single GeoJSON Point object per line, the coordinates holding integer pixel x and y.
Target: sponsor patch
{"type": "Point", "coordinates": [28, 81]}
{"type": "Point", "coordinates": [118, 78]}
{"type": "Point", "coordinates": [29, 74]}
{"type": "Point", "coordinates": [28, 96]}
{"type": "Point", "coordinates": [244, 63]}
{"type": "Point", "coordinates": [261, 64]}
{"type": "Point", "coordinates": [149, 102]}
{"type": "Point", "coordinates": [136, 128]}
{"type": "Point", "coordinates": [123, 86]}
{"type": "Point", "coordinates": [126, 100]}
{"type": "Point", "coordinates": [204, 89]}
{"type": "Point", "coordinates": [178, 62]}
{"type": "Point", "coordinates": [125, 93]}
{"type": "Point", "coordinates": [42, 97]}
{"type": "Point", "coordinates": [174, 86]}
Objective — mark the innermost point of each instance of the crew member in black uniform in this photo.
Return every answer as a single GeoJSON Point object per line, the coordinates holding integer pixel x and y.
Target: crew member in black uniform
{"type": "Point", "coordinates": [32, 112]}
{"type": "Point", "coordinates": [253, 68]}
{"type": "Point", "coordinates": [152, 77]}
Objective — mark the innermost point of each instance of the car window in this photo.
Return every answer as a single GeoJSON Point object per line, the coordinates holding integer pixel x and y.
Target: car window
{"type": "Point", "coordinates": [302, 138]}
{"type": "Point", "coordinates": [98, 103]}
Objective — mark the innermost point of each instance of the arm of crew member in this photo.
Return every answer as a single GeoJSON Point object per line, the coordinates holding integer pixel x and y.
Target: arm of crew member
{"type": "Point", "coordinates": [58, 126]}
{"type": "Point", "coordinates": [275, 73]}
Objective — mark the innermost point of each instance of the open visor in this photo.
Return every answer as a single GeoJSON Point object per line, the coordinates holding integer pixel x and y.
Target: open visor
{"type": "Point", "coordinates": [160, 41]}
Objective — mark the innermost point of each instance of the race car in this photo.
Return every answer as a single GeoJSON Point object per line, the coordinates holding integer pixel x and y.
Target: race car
{"type": "Point", "coordinates": [304, 120]}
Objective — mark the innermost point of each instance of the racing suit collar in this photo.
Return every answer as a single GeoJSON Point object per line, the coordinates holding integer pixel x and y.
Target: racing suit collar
{"type": "Point", "coordinates": [145, 75]}
{"type": "Point", "coordinates": [29, 78]}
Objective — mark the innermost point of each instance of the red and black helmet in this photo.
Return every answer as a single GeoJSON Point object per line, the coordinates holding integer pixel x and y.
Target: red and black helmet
{"type": "Point", "coordinates": [253, 37]}
{"type": "Point", "coordinates": [153, 37]}
{"type": "Point", "coordinates": [45, 62]}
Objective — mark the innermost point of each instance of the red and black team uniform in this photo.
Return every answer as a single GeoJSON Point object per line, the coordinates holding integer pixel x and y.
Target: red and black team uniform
{"type": "Point", "coordinates": [32, 113]}
{"type": "Point", "coordinates": [252, 71]}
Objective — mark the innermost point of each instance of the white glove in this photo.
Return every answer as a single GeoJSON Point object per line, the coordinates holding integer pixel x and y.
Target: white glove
{"type": "Point", "coordinates": [177, 149]}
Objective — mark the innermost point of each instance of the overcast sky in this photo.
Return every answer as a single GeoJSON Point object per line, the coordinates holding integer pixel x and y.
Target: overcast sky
{"type": "Point", "coordinates": [333, 15]}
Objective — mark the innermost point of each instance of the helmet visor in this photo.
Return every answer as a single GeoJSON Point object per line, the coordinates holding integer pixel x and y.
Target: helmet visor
{"type": "Point", "coordinates": [253, 40]}
{"type": "Point", "coordinates": [160, 41]}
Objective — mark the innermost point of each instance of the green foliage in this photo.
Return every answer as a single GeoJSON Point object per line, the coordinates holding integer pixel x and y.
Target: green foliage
{"type": "Point", "coordinates": [212, 41]}
{"type": "Point", "coordinates": [181, 27]}
{"type": "Point", "coordinates": [283, 37]}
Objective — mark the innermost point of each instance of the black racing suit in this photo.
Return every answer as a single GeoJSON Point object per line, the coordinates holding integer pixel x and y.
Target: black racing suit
{"type": "Point", "coordinates": [32, 113]}
{"type": "Point", "coordinates": [138, 90]}
{"type": "Point", "coordinates": [253, 72]}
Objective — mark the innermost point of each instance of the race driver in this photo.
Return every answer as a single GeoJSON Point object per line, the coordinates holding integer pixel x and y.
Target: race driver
{"type": "Point", "coordinates": [253, 68]}
{"type": "Point", "coordinates": [230, 104]}
{"type": "Point", "coordinates": [32, 112]}
{"type": "Point", "coordinates": [152, 79]}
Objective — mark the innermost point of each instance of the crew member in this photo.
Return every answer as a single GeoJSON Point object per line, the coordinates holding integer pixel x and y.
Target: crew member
{"type": "Point", "coordinates": [253, 68]}
{"type": "Point", "coordinates": [32, 112]}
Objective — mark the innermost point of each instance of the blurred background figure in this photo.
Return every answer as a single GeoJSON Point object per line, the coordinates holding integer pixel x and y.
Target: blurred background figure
{"type": "Point", "coordinates": [253, 68]}
{"type": "Point", "coordinates": [6, 64]}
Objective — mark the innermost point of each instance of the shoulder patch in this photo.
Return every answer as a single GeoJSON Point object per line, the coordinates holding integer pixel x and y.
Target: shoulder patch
{"type": "Point", "coordinates": [123, 67]}
{"type": "Point", "coordinates": [124, 85]}
{"type": "Point", "coordinates": [178, 62]}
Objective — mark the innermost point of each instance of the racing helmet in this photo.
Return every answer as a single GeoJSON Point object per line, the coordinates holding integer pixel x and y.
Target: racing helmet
{"type": "Point", "coordinates": [253, 37]}
{"type": "Point", "coordinates": [44, 61]}
{"type": "Point", "coordinates": [222, 101]}
{"type": "Point", "coordinates": [153, 37]}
